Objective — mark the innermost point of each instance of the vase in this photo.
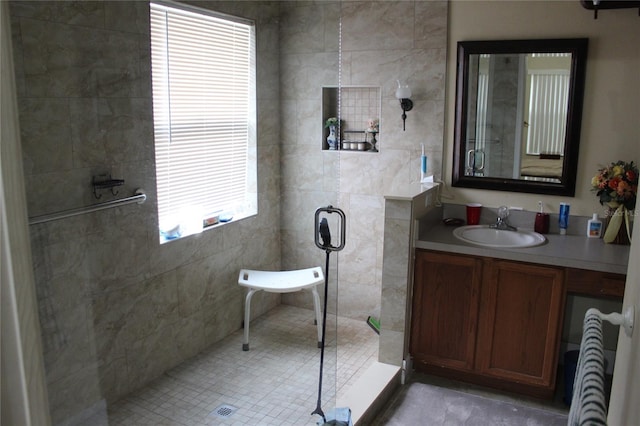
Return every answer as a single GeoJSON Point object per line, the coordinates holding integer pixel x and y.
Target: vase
{"type": "Point", "coordinates": [332, 139]}
{"type": "Point", "coordinates": [373, 141]}
{"type": "Point", "coordinates": [617, 226]}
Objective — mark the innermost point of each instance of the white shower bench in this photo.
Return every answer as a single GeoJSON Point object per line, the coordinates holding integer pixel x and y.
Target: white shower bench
{"type": "Point", "coordinates": [281, 282]}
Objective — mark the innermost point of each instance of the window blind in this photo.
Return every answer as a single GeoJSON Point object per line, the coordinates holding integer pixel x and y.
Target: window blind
{"type": "Point", "coordinates": [549, 82]}
{"type": "Point", "coordinates": [203, 98]}
{"type": "Point", "coordinates": [548, 102]}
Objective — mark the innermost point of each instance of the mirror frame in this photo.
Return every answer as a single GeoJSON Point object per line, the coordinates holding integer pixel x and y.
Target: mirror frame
{"type": "Point", "coordinates": [578, 48]}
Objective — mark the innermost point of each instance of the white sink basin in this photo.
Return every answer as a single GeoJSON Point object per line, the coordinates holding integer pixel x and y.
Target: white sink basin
{"type": "Point", "coordinates": [490, 237]}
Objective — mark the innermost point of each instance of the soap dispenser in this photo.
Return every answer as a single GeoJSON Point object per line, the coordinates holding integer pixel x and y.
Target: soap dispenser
{"type": "Point", "coordinates": [594, 227]}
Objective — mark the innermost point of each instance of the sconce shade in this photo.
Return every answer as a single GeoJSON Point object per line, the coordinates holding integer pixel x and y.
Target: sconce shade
{"type": "Point", "coordinates": [403, 93]}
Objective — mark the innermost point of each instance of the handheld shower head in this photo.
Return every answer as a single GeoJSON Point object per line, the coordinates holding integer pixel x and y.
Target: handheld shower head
{"type": "Point", "coordinates": [325, 234]}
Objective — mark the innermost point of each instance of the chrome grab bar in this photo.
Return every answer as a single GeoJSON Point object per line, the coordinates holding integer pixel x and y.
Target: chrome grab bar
{"type": "Point", "coordinates": [138, 197]}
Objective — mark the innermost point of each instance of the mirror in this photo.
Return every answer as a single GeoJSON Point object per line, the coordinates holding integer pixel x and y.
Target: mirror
{"type": "Point", "coordinates": [518, 115]}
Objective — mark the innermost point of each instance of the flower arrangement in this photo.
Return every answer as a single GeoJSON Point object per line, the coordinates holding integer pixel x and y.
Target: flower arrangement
{"type": "Point", "coordinates": [373, 125]}
{"type": "Point", "coordinates": [617, 185]}
{"type": "Point", "coordinates": [332, 121]}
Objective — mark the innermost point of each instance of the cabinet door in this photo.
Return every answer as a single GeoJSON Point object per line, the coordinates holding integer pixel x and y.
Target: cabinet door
{"type": "Point", "coordinates": [445, 310]}
{"type": "Point", "coordinates": [520, 318]}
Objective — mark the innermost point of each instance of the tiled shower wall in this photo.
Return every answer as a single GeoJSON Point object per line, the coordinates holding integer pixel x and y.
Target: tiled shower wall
{"type": "Point", "coordinates": [116, 308]}
{"type": "Point", "coordinates": [382, 42]}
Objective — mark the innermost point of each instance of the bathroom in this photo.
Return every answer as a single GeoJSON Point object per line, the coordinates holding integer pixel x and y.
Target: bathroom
{"type": "Point", "coordinates": [381, 42]}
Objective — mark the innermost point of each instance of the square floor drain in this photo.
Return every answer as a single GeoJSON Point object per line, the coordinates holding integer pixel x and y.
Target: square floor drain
{"type": "Point", "coordinates": [224, 411]}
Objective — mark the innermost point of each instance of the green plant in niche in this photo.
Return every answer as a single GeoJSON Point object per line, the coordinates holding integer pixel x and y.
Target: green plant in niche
{"type": "Point", "coordinates": [332, 121]}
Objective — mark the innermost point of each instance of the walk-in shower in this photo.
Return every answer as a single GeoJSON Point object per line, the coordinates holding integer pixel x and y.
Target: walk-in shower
{"type": "Point", "coordinates": [134, 331]}
{"type": "Point", "coordinates": [119, 312]}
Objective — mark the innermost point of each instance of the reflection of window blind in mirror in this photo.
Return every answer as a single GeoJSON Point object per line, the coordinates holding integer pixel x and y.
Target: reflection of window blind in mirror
{"type": "Point", "coordinates": [483, 102]}
{"type": "Point", "coordinates": [548, 87]}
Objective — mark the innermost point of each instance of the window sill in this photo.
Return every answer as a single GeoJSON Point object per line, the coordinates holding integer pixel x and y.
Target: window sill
{"type": "Point", "coordinates": [176, 235]}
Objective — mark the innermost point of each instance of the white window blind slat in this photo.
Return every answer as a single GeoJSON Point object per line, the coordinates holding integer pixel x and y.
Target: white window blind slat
{"type": "Point", "coordinates": [203, 97]}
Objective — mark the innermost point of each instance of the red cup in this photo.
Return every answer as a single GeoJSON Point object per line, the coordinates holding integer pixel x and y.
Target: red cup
{"type": "Point", "coordinates": [473, 213]}
{"type": "Point", "coordinates": [542, 223]}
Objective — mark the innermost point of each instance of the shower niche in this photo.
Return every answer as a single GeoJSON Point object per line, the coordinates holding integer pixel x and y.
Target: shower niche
{"type": "Point", "coordinates": [358, 108]}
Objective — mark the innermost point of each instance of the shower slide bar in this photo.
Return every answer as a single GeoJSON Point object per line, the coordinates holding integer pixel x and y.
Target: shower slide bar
{"type": "Point", "coordinates": [138, 197]}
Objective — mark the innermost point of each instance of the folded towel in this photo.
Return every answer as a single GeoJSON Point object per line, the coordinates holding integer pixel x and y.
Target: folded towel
{"type": "Point", "coordinates": [588, 406]}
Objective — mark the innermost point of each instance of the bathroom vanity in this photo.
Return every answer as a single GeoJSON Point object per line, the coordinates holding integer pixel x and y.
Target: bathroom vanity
{"type": "Point", "coordinates": [494, 317]}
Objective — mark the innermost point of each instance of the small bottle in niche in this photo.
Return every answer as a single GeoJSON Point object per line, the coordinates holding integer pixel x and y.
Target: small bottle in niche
{"type": "Point", "coordinates": [594, 227]}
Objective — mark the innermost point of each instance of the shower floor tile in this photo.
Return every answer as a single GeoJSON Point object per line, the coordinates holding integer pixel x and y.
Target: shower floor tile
{"type": "Point", "coordinates": [274, 383]}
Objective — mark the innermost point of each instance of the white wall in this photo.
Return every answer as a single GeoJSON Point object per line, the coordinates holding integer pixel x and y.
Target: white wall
{"type": "Point", "coordinates": [610, 130]}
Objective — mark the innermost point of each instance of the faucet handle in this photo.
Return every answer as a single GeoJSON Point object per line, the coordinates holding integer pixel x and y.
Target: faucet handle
{"type": "Point", "coordinates": [503, 212]}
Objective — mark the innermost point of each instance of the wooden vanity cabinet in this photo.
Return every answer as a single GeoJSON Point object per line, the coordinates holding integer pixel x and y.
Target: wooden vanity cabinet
{"type": "Point", "coordinates": [520, 321]}
{"type": "Point", "coordinates": [445, 310]}
{"type": "Point", "coordinates": [489, 321]}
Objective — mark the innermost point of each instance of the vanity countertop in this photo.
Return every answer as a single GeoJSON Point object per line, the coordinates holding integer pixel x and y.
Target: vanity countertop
{"type": "Point", "coordinates": [573, 251]}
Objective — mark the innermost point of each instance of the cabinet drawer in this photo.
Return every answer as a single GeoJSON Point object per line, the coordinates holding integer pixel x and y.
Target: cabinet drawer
{"type": "Point", "coordinates": [595, 283]}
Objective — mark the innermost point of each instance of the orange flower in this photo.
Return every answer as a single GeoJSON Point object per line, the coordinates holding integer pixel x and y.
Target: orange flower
{"type": "Point", "coordinates": [614, 182]}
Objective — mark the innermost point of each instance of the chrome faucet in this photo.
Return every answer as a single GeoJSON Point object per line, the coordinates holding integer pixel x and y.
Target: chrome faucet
{"type": "Point", "coordinates": [501, 221]}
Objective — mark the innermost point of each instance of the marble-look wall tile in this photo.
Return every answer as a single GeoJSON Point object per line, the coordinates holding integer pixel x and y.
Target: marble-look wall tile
{"type": "Point", "coordinates": [113, 378]}
{"type": "Point", "coordinates": [304, 74]}
{"type": "Point", "coordinates": [78, 13]}
{"type": "Point", "coordinates": [423, 69]}
{"type": "Point", "coordinates": [431, 24]}
{"type": "Point", "coordinates": [422, 125]}
{"type": "Point", "coordinates": [396, 251]}
{"type": "Point", "coordinates": [127, 16]}
{"type": "Point", "coordinates": [103, 128]}
{"type": "Point", "coordinates": [69, 61]}
{"type": "Point", "coordinates": [374, 174]}
{"type": "Point", "coordinates": [373, 25]}
{"type": "Point", "coordinates": [304, 32]}
{"type": "Point", "coordinates": [192, 280]}
{"type": "Point", "coordinates": [150, 356]}
{"type": "Point", "coordinates": [300, 168]}
{"type": "Point", "coordinates": [47, 141]}
{"type": "Point", "coordinates": [308, 117]}
{"type": "Point", "coordinates": [391, 347]}
{"type": "Point", "coordinates": [70, 394]}
{"type": "Point", "coordinates": [365, 217]}
{"type": "Point", "coordinates": [70, 345]}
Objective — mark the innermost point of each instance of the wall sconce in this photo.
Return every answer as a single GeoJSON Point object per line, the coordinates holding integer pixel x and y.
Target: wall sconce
{"type": "Point", "coordinates": [596, 5]}
{"type": "Point", "coordinates": [403, 93]}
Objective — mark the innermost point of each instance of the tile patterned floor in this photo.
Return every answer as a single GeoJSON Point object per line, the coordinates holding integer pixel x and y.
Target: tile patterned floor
{"type": "Point", "coordinates": [275, 383]}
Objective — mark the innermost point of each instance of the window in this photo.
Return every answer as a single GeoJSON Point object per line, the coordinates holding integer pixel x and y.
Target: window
{"type": "Point", "coordinates": [548, 86]}
{"type": "Point", "coordinates": [203, 75]}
